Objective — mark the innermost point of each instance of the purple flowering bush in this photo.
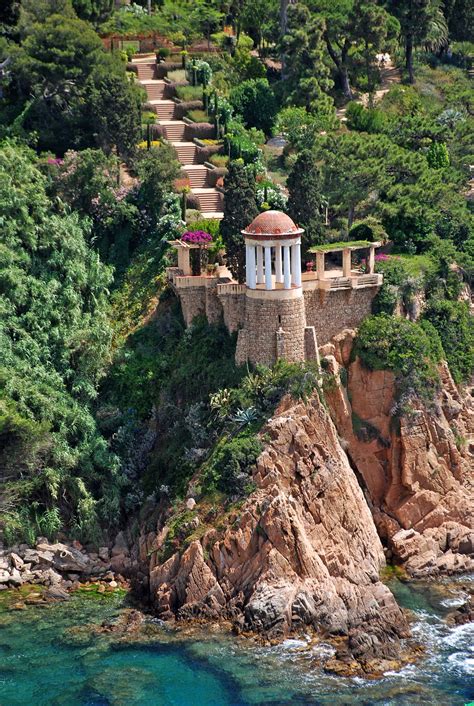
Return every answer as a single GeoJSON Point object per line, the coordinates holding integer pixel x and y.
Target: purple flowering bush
{"type": "Point", "coordinates": [197, 237]}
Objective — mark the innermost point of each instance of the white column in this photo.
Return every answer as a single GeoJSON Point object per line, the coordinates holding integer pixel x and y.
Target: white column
{"type": "Point", "coordinates": [278, 265]}
{"type": "Point", "coordinates": [259, 264]}
{"type": "Point", "coordinates": [286, 267]}
{"type": "Point", "coordinates": [247, 263]}
{"type": "Point", "coordinates": [268, 267]}
{"type": "Point", "coordinates": [295, 264]}
{"type": "Point", "coordinates": [251, 271]}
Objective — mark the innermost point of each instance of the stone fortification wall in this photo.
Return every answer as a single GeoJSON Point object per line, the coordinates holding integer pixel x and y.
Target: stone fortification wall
{"type": "Point", "coordinates": [233, 310]}
{"type": "Point", "coordinates": [270, 328]}
{"type": "Point", "coordinates": [332, 312]}
{"type": "Point", "coordinates": [213, 305]}
{"type": "Point", "coordinates": [263, 318]}
{"type": "Point", "coordinates": [193, 302]}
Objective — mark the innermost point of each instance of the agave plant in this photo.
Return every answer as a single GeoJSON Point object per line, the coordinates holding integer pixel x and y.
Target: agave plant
{"type": "Point", "coordinates": [244, 417]}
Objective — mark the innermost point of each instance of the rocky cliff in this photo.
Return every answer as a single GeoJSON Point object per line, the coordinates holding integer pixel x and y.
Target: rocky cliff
{"type": "Point", "coordinates": [341, 485]}
{"type": "Point", "coordinates": [418, 469]}
{"type": "Point", "coordinates": [301, 551]}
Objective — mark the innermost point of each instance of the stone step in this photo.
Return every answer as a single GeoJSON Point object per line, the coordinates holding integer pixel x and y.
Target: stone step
{"type": "Point", "coordinates": [215, 215]}
{"type": "Point", "coordinates": [198, 175]}
{"type": "Point", "coordinates": [210, 200]}
{"type": "Point", "coordinates": [186, 151]}
{"type": "Point", "coordinates": [155, 89]}
{"type": "Point", "coordinates": [173, 130]}
{"type": "Point", "coordinates": [146, 70]}
{"type": "Point", "coordinates": [164, 109]}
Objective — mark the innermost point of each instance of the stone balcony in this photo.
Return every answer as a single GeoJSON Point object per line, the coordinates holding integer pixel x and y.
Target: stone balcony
{"type": "Point", "coordinates": [334, 279]}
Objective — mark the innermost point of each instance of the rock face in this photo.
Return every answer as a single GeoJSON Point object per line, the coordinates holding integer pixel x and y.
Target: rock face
{"type": "Point", "coordinates": [418, 470]}
{"type": "Point", "coordinates": [301, 551]}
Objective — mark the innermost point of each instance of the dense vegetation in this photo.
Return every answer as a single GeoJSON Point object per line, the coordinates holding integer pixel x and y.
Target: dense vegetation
{"type": "Point", "coordinates": [105, 398]}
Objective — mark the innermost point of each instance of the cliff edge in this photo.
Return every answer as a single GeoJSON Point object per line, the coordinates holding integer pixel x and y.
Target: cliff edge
{"type": "Point", "coordinates": [302, 550]}
{"type": "Point", "coordinates": [417, 468]}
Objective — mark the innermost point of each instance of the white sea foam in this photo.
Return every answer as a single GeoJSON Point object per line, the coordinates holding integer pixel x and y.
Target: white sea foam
{"type": "Point", "coordinates": [454, 602]}
{"type": "Point", "coordinates": [460, 636]}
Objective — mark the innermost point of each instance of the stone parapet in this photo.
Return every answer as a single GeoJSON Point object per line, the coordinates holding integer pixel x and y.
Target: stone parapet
{"type": "Point", "coordinates": [270, 326]}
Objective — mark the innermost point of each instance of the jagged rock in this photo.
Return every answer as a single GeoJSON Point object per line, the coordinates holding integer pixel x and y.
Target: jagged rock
{"type": "Point", "coordinates": [301, 552]}
{"type": "Point", "coordinates": [56, 593]}
{"type": "Point", "coordinates": [15, 578]}
{"type": "Point", "coordinates": [4, 576]}
{"type": "Point", "coordinates": [16, 561]}
{"type": "Point", "coordinates": [418, 477]}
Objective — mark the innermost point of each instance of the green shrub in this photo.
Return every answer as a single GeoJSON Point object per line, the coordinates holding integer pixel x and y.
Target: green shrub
{"type": "Point", "coordinates": [219, 160]}
{"type": "Point", "coordinates": [364, 119]}
{"type": "Point", "coordinates": [255, 101]}
{"type": "Point", "coordinates": [438, 155]}
{"type": "Point", "coordinates": [410, 350]}
{"type": "Point", "coordinates": [386, 299]}
{"type": "Point", "coordinates": [198, 116]}
{"type": "Point", "coordinates": [455, 326]}
{"type": "Point", "coordinates": [177, 76]}
{"type": "Point", "coordinates": [230, 466]}
{"type": "Point", "coordinates": [189, 93]}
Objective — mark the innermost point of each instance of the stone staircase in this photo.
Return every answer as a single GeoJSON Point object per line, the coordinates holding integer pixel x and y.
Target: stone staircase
{"type": "Point", "coordinates": [186, 151]}
{"type": "Point", "coordinates": [197, 174]}
{"type": "Point", "coordinates": [210, 199]}
{"type": "Point", "coordinates": [173, 130]}
{"type": "Point", "coordinates": [155, 88]}
{"type": "Point", "coordinates": [163, 108]}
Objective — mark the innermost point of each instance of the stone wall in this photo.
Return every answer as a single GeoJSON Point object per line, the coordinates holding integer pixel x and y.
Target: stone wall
{"type": "Point", "coordinates": [193, 302]}
{"type": "Point", "coordinates": [331, 312]}
{"type": "Point", "coordinates": [213, 305]}
{"type": "Point", "coordinates": [233, 309]}
{"type": "Point", "coordinates": [259, 319]}
{"type": "Point", "coordinates": [263, 318]}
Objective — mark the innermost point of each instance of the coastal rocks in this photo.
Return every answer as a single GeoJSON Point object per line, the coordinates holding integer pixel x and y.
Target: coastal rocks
{"type": "Point", "coordinates": [418, 470]}
{"type": "Point", "coordinates": [60, 567]}
{"type": "Point", "coordinates": [302, 551]}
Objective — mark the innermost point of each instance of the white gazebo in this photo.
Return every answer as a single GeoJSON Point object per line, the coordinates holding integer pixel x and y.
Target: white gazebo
{"type": "Point", "coordinates": [273, 252]}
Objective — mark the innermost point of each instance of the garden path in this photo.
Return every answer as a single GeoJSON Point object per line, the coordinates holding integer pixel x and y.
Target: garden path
{"type": "Point", "coordinates": [390, 75]}
{"type": "Point", "coordinates": [179, 135]}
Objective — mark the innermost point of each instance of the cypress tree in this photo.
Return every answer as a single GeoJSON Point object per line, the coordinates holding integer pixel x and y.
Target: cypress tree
{"type": "Point", "coordinates": [240, 208]}
{"type": "Point", "coordinates": [304, 202]}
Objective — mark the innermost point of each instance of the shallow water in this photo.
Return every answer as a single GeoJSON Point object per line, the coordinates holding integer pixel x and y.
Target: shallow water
{"type": "Point", "coordinates": [45, 663]}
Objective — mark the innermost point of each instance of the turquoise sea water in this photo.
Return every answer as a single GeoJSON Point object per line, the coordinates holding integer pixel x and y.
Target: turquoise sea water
{"type": "Point", "coordinates": [46, 661]}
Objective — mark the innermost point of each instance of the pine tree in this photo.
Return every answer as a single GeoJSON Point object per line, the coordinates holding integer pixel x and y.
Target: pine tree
{"type": "Point", "coordinates": [240, 208]}
{"type": "Point", "coordinates": [304, 203]}
{"type": "Point", "coordinates": [306, 76]}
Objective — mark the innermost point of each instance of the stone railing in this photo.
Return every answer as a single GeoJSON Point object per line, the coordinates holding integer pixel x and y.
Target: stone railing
{"type": "Point", "coordinates": [311, 281]}
{"type": "Point", "coordinates": [230, 288]}
{"type": "Point", "coordinates": [185, 281]}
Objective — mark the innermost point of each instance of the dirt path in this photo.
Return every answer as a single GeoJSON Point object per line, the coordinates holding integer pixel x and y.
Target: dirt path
{"type": "Point", "coordinates": [390, 75]}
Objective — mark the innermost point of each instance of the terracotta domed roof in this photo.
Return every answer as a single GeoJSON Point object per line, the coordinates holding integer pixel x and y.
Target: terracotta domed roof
{"type": "Point", "coordinates": [272, 224]}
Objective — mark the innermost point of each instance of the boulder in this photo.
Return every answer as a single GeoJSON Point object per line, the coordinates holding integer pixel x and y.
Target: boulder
{"type": "Point", "coordinates": [17, 561]}
{"type": "Point", "coordinates": [65, 558]}
{"type": "Point", "coordinates": [120, 546]}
